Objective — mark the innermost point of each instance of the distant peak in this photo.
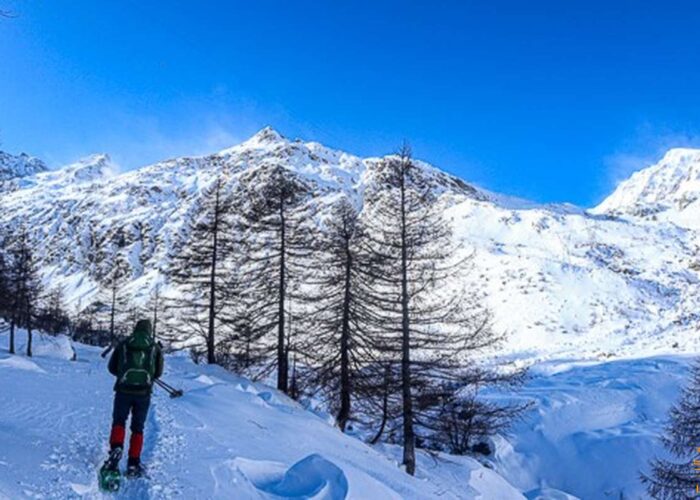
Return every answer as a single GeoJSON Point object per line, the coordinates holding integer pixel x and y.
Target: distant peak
{"type": "Point", "coordinates": [680, 154]}
{"type": "Point", "coordinates": [89, 168]}
{"type": "Point", "coordinates": [92, 159]}
{"type": "Point", "coordinates": [267, 135]}
{"type": "Point", "coordinates": [262, 139]}
{"type": "Point", "coordinates": [668, 186]}
{"type": "Point", "coordinates": [21, 165]}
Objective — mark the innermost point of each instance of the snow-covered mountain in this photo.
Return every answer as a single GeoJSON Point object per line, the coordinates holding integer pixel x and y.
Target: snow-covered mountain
{"type": "Point", "coordinates": [21, 165]}
{"type": "Point", "coordinates": [561, 280]}
{"type": "Point", "coordinates": [668, 191]}
{"type": "Point", "coordinates": [15, 168]}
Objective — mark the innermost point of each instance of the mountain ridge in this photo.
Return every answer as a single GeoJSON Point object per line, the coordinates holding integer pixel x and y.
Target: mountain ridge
{"type": "Point", "coordinates": [560, 279]}
{"type": "Point", "coordinates": [618, 202]}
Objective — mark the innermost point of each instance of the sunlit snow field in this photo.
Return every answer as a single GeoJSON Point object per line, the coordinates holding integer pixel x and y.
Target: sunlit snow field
{"type": "Point", "coordinates": [591, 432]}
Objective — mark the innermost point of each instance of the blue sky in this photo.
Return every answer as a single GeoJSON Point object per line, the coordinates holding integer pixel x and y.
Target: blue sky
{"type": "Point", "coordinates": [549, 100]}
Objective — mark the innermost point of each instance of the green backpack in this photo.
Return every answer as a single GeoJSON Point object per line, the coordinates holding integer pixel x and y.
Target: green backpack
{"type": "Point", "coordinates": [137, 362]}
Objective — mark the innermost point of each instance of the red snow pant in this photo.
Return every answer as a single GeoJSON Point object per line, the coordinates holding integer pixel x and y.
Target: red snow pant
{"type": "Point", "coordinates": [137, 405]}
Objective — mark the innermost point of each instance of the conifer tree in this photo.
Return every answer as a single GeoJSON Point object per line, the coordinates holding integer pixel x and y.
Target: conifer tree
{"type": "Point", "coordinates": [52, 317]}
{"type": "Point", "coordinates": [4, 284]}
{"type": "Point", "coordinates": [8, 295]}
{"type": "Point", "coordinates": [677, 478]}
{"type": "Point", "coordinates": [25, 284]}
{"type": "Point", "coordinates": [85, 328]}
{"type": "Point", "coordinates": [425, 324]}
{"type": "Point", "coordinates": [200, 272]}
{"type": "Point", "coordinates": [154, 307]}
{"type": "Point", "coordinates": [7, 304]}
{"type": "Point", "coordinates": [278, 223]}
{"type": "Point", "coordinates": [241, 350]}
{"type": "Point", "coordinates": [338, 349]}
{"type": "Point", "coordinates": [117, 302]}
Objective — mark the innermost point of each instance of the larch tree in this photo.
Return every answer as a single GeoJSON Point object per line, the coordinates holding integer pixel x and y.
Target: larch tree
{"type": "Point", "coordinates": [7, 298]}
{"type": "Point", "coordinates": [155, 305]}
{"type": "Point", "coordinates": [425, 322]}
{"type": "Point", "coordinates": [52, 317]}
{"type": "Point", "coordinates": [279, 244]}
{"type": "Point", "coordinates": [112, 270]}
{"type": "Point", "coordinates": [26, 284]}
{"type": "Point", "coordinates": [339, 351]}
{"type": "Point", "coordinates": [117, 303]}
{"type": "Point", "coordinates": [198, 269]}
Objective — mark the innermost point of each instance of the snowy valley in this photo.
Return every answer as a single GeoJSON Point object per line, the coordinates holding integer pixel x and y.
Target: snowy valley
{"type": "Point", "coordinates": [601, 304]}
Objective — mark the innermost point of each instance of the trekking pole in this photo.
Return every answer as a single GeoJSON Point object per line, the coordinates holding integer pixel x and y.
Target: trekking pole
{"type": "Point", "coordinates": [174, 393]}
{"type": "Point", "coordinates": [107, 350]}
{"type": "Point", "coordinates": [165, 385]}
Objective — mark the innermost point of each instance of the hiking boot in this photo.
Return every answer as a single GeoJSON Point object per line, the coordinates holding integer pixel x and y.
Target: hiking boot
{"type": "Point", "coordinates": [134, 468]}
{"type": "Point", "coordinates": [112, 462]}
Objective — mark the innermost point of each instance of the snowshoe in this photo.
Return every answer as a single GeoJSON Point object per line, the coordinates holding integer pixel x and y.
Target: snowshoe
{"type": "Point", "coordinates": [110, 477]}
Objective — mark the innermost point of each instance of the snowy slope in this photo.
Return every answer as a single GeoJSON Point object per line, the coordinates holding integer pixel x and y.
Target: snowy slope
{"type": "Point", "coordinates": [594, 428]}
{"type": "Point", "coordinates": [562, 281]}
{"type": "Point", "coordinates": [567, 284]}
{"type": "Point", "coordinates": [225, 438]}
{"type": "Point", "coordinates": [592, 431]}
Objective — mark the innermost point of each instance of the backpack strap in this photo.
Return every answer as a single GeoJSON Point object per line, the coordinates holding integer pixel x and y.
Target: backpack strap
{"type": "Point", "coordinates": [122, 360]}
{"type": "Point", "coordinates": [152, 361]}
{"type": "Point", "coordinates": [149, 364]}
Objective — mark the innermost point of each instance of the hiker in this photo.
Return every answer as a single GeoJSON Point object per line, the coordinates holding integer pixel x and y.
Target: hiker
{"type": "Point", "coordinates": [136, 362]}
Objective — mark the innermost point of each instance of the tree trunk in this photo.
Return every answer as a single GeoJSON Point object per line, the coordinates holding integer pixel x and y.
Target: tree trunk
{"type": "Point", "coordinates": [344, 412]}
{"type": "Point", "coordinates": [111, 314]}
{"type": "Point", "coordinates": [282, 371]}
{"type": "Point", "coordinates": [29, 340]}
{"type": "Point", "coordinates": [409, 439]}
{"type": "Point", "coordinates": [211, 357]}
{"type": "Point", "coordinates": [12, 336]}
{"type": "Point", "coordinates": [155, 315]}
{"type": "Point", "coordinates": [385, 406]}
